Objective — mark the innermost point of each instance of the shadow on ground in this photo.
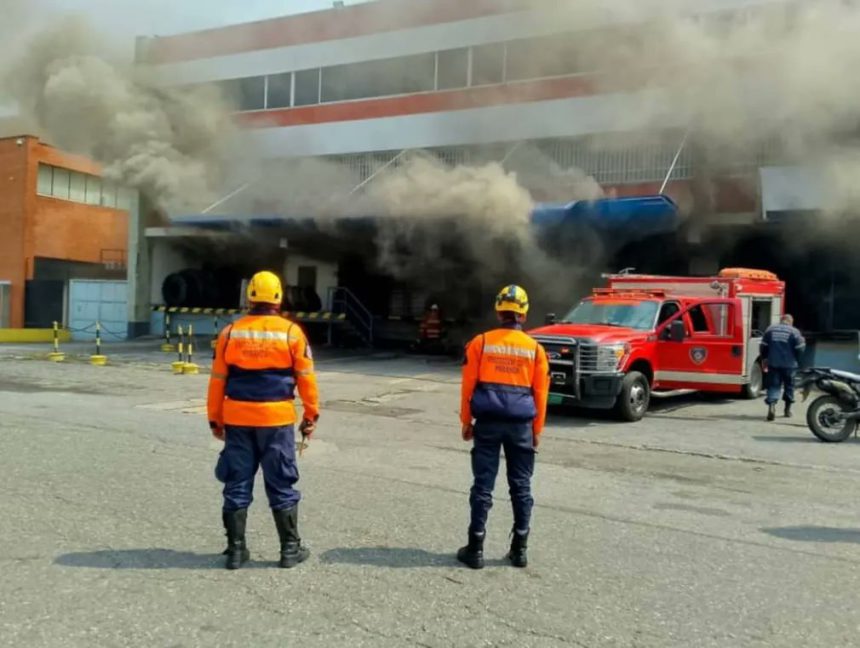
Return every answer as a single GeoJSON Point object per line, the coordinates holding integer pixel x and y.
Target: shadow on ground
{"type": "Point", "coordinates": [395, 557]}
{"type": "Point", "coordinates": [815, 534]}
{"type": "Point", "coordinates": [787, 439]}
{"type": "Point", "coordinates": [143, 559]}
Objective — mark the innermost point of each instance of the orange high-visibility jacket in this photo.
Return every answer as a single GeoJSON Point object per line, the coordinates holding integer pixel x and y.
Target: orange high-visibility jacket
{"type": "Point", "coordinates": [505, 378]}
{"type": "Point", "coordinates": [259, 362]}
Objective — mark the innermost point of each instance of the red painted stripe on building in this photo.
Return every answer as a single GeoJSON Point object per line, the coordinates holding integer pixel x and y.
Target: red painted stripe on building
{"type": "Point", "coordinates": [431, 102]}
{"type": "Point", "coordinates": [320, 26]}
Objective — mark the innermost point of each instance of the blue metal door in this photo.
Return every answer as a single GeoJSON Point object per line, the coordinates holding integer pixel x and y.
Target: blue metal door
{"type": "Point", "coordinates": [105, 302]}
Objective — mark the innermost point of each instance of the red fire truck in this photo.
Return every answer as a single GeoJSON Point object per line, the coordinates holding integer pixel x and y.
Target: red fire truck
{"type": "Point", "coordinates": [648, 336]}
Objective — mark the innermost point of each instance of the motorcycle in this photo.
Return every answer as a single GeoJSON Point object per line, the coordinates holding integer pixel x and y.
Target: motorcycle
{"type": "Point", "coordinates": [833, 416]}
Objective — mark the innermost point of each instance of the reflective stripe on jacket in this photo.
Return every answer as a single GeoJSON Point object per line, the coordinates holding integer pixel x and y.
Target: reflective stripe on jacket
{"type": "Point", "coordinates": [260, 360]}
{"type": "Point", "coordinates": [431, 327]}
{"type": "Point", "coordinates": [505, 378]}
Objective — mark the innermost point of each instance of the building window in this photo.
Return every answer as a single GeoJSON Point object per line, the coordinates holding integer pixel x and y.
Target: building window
{"type": "Point", "coordinates": [279, 90]}
{"type": "Point", "coordinates": [488, 63]}
{"type": "Point", "coordinates": [453, 71]}
{"type": "Point", "coordinates": [307, 87]}
{"type": "Point", "coordinates": [45, 182]}
{"type": "Point", "coordinates": [78, 187]}
{"type": "Point", "coordinates": [94, 190]}
{"type": "Point", "coordinates": [246, 94]}
{"type": "Point", "coordinates": [535, 58]}
{"type": "Point", "coordinates": [394, 76]}
{"type": "Point", "coordinates": [62, 178]}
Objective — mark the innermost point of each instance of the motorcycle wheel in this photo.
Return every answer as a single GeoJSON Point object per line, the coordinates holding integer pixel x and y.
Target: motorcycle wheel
{"type": "Point", "coordinates": [820, 419]}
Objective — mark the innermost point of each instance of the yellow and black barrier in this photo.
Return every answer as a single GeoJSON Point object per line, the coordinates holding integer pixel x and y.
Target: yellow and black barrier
{"type": "Point", "coordinates": [184, 363]}
{"type": "Point", "coordinates": [179, 363]}
{"type": "Point", "coordinates": [98, 359]}
{"type": "Point", "coordinates": [167, 346]}
{"type": "Point", "coordinates": [184, 310]}
{"type": "Point", "coordinates": [299, 315]}
{"type": "Point", "coordinates": [56, 355]}
{"type": "Point", "coordinates": [189, 367]}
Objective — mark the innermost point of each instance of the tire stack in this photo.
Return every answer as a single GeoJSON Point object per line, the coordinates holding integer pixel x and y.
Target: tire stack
{"type": "Point", "coordinates": [196, 288]}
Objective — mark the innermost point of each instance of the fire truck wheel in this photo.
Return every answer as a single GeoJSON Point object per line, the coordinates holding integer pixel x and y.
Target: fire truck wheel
{"type": "Point", "coordinates": [634, 398]}
{"type": "Point", "coordinates": [753, 389]}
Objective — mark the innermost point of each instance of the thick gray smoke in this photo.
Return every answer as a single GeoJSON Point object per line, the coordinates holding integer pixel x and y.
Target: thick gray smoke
{"type": "Point", "coordinates": [779, 76]}
{"type": "Point", "coordinates": [438, 224]}
{"type": "Point", "coordinates": [73, 90]}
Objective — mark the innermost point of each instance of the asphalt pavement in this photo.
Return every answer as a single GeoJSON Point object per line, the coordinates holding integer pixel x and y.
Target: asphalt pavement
{"type": "Point", "coordinates": [702, 525]}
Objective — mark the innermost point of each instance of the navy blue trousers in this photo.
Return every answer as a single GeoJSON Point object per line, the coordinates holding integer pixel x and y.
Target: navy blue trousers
{"type": "Point", "coordinates": [518, 444]}
{"type": "Point", "coordinates": [780, 380]}
{"type": "Point", "coordinates": [247, 449]}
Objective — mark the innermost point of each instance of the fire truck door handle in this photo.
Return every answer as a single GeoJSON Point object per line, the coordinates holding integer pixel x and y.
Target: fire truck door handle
{"type": "Point", "coordinates": [737, 351]}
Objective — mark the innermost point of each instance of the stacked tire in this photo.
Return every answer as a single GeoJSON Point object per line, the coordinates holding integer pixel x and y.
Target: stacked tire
{"type": "Point", "coordinates": [193, 288]}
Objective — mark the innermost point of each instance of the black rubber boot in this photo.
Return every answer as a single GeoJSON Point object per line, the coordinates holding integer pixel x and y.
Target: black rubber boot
{"type": "Point", "coordinates": [519, 544]}
{"type": "Point", "coordinates": [771, 412]}
{"type": "Point", "coordinates": [292, 551]}
{"type": "Point", "coordinates": [788, 410]}
{"type": "Point", "coordinates": [237, 551]}
{"type": "Point", "coordinates": [472, 555]}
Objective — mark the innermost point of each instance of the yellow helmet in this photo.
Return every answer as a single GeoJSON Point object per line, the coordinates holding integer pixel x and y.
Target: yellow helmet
{"type": "Point", "coordinates": [513, 299]}
{"type": "Point", "coordinates": [265, 288]}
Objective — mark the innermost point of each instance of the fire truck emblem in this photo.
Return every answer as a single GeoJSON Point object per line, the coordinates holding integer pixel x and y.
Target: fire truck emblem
{"type": "Point", "coordinates": [698, 355]}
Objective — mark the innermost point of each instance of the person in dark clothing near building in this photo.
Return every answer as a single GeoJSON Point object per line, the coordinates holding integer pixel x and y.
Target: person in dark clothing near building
{"type": "Point", "coordinates": [781, 349]}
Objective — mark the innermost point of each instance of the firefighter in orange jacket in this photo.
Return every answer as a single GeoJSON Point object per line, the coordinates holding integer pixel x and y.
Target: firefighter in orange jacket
{"type": "Point", "coordinates": [430, 330]}
{"type": "Point", "coordinates": [503, 405]}
{"type": "Point", "coordinates": [260, 360]}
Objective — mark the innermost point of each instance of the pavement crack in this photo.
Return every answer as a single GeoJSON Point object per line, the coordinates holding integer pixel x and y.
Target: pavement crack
{"type": "Point", "coordinates": [532, 632]}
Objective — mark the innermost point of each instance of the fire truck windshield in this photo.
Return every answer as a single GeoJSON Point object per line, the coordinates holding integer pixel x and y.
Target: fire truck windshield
{"type": "Point", "coordinates": [639, 315]}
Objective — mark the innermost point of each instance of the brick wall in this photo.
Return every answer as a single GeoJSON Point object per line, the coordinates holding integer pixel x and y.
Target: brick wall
{"type": "Point", "coordinates": [36, 226]}
{"type": "Point", "coordinates": [13, 191]}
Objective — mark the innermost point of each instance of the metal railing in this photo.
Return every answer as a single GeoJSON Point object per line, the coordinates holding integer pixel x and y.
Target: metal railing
{"type": "Point", "coordinates": [343, 300]}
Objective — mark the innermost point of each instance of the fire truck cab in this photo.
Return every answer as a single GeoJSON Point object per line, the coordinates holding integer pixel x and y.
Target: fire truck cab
{"type": "Point", "coordinates": [645, 336]}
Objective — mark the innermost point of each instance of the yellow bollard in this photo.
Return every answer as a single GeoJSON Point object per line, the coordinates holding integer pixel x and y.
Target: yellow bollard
{"type": "Point", "coordinates": [189, 367]}
{"type": "Point", "coordinates": [167, 346]}
{"type": "Point", "coordinates": [56, 355]}
{"type": "Point", "coordinates": [179, 363]}
{"type": "Point", "coordinates": [98, 359]}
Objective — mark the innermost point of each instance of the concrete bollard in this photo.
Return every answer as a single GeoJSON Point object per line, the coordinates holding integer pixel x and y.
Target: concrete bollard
{"type": "Point", "coordinates": [179, 363]}
{"type": "Point", "coordinates": [98, 359]}
{"type": "Point", "coordinates": [167, 346]}
{"type": "Point", "coordinates": [56, 355]}
{"type": "Point", "coordinates": [189, 367]}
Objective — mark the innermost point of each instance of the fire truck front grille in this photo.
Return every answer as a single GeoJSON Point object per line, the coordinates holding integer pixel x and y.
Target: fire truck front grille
{"type": "Point", "coordinates": [588, 357]}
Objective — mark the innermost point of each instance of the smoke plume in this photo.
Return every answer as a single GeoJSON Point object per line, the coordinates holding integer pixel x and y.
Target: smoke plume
{"type": "Point", "coordinates": [779, 78]}
{"type": "Point", "coordinates": [168, 143]}
{"type": "Point", "coordinates": [776, 80]}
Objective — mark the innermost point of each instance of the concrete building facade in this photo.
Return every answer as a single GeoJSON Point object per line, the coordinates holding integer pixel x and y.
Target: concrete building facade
{"type": "Point", "coordinates": [469, 82]}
